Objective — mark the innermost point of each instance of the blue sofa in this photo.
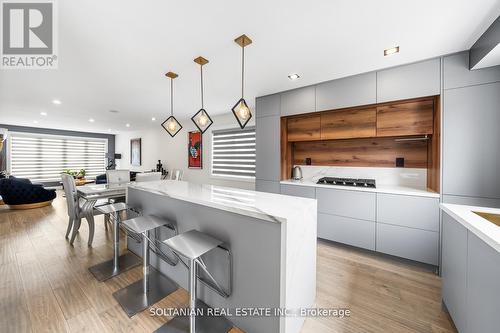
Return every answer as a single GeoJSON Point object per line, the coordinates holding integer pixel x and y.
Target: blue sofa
{"type": "Point", "coordinates": [20, 193]}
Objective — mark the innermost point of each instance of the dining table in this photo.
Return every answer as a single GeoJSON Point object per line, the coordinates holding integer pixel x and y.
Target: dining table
{"type": "Point", "coordinates": [94, 193]}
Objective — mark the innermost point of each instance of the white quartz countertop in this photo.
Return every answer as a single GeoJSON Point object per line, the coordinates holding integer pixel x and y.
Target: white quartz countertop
{"type": "Point", "coordinates": [389, 189]}
{"type": "Point", "coordinates": [262, 205]}
{"type": "Point", "coordinates": [484, 229]}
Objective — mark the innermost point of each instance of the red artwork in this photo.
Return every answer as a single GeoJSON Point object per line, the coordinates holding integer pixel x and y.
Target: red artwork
{"type": "Point", "coordinates": [195, 157]}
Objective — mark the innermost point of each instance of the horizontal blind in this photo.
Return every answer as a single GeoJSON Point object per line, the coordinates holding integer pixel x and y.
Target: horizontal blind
{"type": "Point", "coordinates": [42, 158]}
{"type": "Point", "coordinates": [233, 153]}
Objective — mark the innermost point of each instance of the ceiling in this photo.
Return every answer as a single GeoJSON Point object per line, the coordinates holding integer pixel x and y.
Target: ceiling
{"type": "Point", "coordinates": [113, 54]}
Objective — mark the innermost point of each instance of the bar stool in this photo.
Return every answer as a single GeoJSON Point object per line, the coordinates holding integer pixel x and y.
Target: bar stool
{"type": "Point", "coordinates": [192, 245]}
{"type": "Point", "coordinates": [118, 264]}
{"type": "Point", "coordinates": [153, 286]}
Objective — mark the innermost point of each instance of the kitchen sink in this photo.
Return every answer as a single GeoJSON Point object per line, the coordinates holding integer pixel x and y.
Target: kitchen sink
{"type": "Point", "coordinates": [493, 218]}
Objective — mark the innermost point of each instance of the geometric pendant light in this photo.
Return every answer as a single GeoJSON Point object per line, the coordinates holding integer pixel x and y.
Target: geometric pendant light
{"type": "Point", "coordinates": [201, 118]}
{"type": "Point", "coordinates": [171, 125]}
{"type": "Point", "coordinates": [241, 110]}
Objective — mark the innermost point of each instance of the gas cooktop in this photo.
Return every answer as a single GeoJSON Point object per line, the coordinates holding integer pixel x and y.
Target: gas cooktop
{"type": "Point", "coordinates": [347, 182]}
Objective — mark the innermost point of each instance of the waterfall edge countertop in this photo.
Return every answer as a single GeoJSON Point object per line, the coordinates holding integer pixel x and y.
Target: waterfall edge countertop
{"type": "Point", "coordinates": [482, 228]}
{"type": "Point", "coordinates": [272, 239]}
{"type": "Point", "coordinates": [262, 205]}
{"type": "Point", "coordinates": [388, 189]}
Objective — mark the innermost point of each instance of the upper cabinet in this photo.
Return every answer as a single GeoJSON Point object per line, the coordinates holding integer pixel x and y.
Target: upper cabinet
{"type": "Point", "coordinates": [267, 164]}
{"type": "Point", "coordinates": [267, 105]}
{"type": "Point", "coordinates": [407, 118]}
{"type": "Point", "coordinates": [346, 124]}
{"type": "Point", "coordinates": [306, 128]}
{"type": "Point", "coordinates": [346, 92]}
{"type": "Point", "coordinates": [457, 74]}
{"type": "Point", "coordinates": [409, 81]}
{"type": "Point", "coordinates": [297, 101]}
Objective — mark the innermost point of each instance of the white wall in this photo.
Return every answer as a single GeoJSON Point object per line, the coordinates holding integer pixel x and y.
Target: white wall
{"type": "Point", "coordinates": [157, 144]}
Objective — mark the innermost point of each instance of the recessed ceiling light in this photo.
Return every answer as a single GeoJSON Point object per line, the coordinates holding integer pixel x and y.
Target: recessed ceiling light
{"type": "Point", "coordinates": [43, 113]}
{"type": "Point", "coordinates": [128, 125]}
{"type": "Point", "coordinates": [91, 120]}
{"type": "Point", "coordinates": [153, 119]}
{"type": "Point", "coordinates": [56, 102]}
{"type": "Point", "coordinates": [293, 76]}
{"type": "Point", "coordinates": [391, 50]}
{"type": "Point", "coordinates": [35, 121]}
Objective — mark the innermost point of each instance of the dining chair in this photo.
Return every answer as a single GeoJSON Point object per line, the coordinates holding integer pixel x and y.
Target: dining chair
{"type": "Point", "coordinates": [118, 176]}
{"type": "Point", "coordinates": [176, 174]}
{"type": "Point", "coordinates": [75, 211]}
{"type": "Point", "coordinates": [147, 176]}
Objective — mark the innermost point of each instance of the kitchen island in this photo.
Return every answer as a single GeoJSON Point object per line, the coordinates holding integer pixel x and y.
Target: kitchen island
{"type": "Point", "coordinates": [471, 266]}
{"type": "Point", "coordinates": [272, 239]}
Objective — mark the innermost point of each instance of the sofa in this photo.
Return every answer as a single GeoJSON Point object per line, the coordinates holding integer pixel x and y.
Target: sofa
{"type": "Point", "coordinates": [20, 193]}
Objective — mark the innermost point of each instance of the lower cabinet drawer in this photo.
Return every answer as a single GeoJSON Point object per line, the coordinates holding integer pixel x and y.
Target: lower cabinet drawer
{"type": "Point", "coordinates": [267, 186]}
{"type": "Point", "coordinates": [299, 191]}
{"type": "Point", "coordinates": [346, 230]}
{"type": "Point", "coordinates": [414, 244]}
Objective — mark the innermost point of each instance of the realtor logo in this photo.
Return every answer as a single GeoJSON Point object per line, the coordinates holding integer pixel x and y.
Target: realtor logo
{"type": "Point", "coordinates": [28, 35]}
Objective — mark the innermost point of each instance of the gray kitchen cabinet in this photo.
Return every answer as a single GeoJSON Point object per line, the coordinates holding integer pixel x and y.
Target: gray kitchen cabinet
{"type": "Point", "coordinates": [299, 191]}
{"type": "Point", "coordinates": [470, 153]}
{"type": "Point", "coordinates": [267, 186]}
{"type": "Point", "coordinates": [409, 81]}
{"type": "Point", "coordinates": [471, 201]}
{"type": "Point", "coordinates": [346, 230]}
{"type": "Point", "coordinates": [301, 100]}
{"type": "Point", "coordinates": [414, 244]}
{"type": "Point", "coordinates": [350, 91]}
{"type": "Point", "coordinates": [353, 204]}
{"type": "Point", "coordinates": [454, 270]}
{"type": "Point", "coordinates": [267, 164]}
{"type": "Point", "coordinates": [408, 211]}
{"type": "Point", "coordinates": [457, 74]}
{"type": "Point", "coordinates": [483, 286]}
{"type": "Point", "coordinates": [268, 105]}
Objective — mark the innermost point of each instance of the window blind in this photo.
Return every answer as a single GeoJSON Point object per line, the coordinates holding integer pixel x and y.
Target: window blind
{"type": "Point", "coordinates": [42, 158]}
{"type": "Point", "coordinates": [233, 153]}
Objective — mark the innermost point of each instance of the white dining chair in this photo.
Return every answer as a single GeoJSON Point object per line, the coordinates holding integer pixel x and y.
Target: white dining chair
{"type": "Point", "coordinates": [117, 176]}
{"type": "Point", "coordinates": [176, 174]}
{"type": "Point", "coordinates": [75, 211]}
{"type": "Point", "coordinates": [148, 176]}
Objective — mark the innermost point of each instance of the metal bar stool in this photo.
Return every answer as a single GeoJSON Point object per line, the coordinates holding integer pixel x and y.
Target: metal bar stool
{"type": "Point", "coordinates": [192, 245]}
{"type": "Point", "coordinates": [153, 286]}
{"type": "Point", "coordinates": [118, 264]}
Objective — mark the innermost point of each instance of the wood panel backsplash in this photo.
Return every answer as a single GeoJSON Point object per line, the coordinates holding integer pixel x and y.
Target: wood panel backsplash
{"type": "Point", "coordinates": [372, 152]}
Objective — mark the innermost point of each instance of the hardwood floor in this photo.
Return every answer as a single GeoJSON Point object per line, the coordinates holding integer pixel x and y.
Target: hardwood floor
{"type": "Point", "coordinates": [45, 285]}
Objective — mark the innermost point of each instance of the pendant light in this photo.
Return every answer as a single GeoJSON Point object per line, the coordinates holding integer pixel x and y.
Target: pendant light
{"type": "Point", "coordinates": [201, 118]}
{"type": "Point", "coordinates": [241, 110]}
{"type": "Point", "coordinates": [171, 125]}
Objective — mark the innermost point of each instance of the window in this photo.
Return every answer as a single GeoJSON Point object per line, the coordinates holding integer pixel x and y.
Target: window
{"type": "Point", "coordinates": [42, 158]}
{"type": "Point", "coordinates": [233, 153]}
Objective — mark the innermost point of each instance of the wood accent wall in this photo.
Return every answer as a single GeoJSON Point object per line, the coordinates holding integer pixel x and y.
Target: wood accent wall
{"type": "Point", "coordinates": [367, 136]}
{"type": "Point", "coordinates": [434, 151]}
{"type": "Point", "coordinates": [371, 152]}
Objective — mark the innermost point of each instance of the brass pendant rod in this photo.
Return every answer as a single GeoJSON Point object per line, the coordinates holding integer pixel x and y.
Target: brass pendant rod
{"type": "Point", "coordinates": [242, 70]}
{"type": "Point", "coordinates": [201, 73]}
{"type": "Point", "coordinates": [171, 97]}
